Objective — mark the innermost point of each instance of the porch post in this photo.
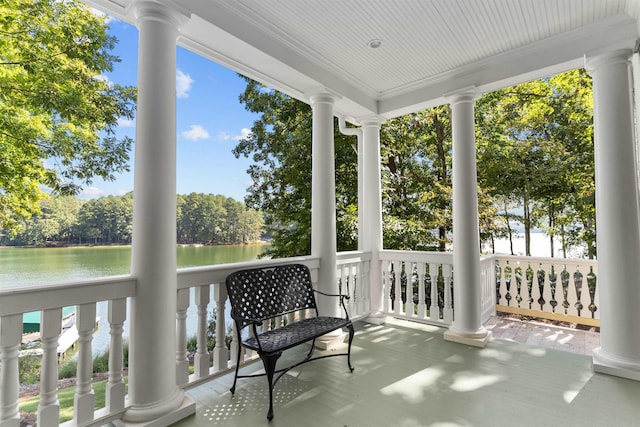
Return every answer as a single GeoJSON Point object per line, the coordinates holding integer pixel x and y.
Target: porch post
{"type": "Point", "coordinates": [372, 214]}
{"type": "Point", "coordinates": [467, 324]}
{"type": "Point", "coordinates": [323, 201]}
{"type": "Point", "coordinates": [618, 233]}
{"type": "Point", "coordinates": [153, 393]}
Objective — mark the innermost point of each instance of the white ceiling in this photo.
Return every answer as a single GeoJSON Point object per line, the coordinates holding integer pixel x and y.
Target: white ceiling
{"type": "Point", "coordinates": [429, 47]}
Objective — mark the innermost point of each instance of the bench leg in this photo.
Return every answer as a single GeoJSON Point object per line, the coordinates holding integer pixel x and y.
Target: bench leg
{"type": "Point", "coordinates": [351, 333]}
{"type": "Point", "coordinates": [235, 378]}
{"type": "Point", "coordinates": [270, 368]}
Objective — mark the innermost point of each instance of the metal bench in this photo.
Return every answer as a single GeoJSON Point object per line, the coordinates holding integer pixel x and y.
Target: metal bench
{"type": "Point", "coordinates": [260, 295]}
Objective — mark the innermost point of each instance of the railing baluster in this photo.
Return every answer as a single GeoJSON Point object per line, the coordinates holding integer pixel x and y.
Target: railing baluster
{"type": "Point", "coordinates": [50, 329]}
{"type": "Point", "coordinates": [409, 305]}
{"type": "Point", "coordinates": [115, 392]}
{"type": "Point", "coordinates": [434, 310]}
{"type": "Point", "coordinates": [84, 397]}
{"type": "Point", "coordinates": [10, 336]}
{"type": "Point", "coordinates": [202, 357]}
{"type": "Point", "coordinates": [397, 282]}
{"type": "Point", "coordinates": [220, 352]}
{"type": "Point", "coordinates": [182, 362]}
{"type": "Point", "coordinates": [447, 312]}
{"type": "Point", "coordinates": [422, 305]}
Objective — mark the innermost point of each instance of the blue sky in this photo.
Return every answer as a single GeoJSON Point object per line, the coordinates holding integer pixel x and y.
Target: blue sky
{"type": "Point", "coordinates": [210, 120]}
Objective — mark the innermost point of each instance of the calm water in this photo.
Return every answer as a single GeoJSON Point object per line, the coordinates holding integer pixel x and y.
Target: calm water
{"type": "Point", "coordinates": [24, 266]}
{"type": "Point", "coordinates": [28, 266]}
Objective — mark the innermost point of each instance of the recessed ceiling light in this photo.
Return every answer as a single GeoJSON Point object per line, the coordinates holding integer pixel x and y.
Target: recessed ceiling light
{"type": "Point", "coordinates": [374, 43]}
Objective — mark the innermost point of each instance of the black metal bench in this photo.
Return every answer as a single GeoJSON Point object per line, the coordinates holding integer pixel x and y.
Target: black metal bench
{"type": "Point", "coordinates": [260, 295]}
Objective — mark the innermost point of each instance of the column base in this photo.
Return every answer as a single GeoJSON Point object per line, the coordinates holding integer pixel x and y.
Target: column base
{"type": "Point", "coordinates": [331, 341]}
{"type": "Point", "coordinates": [156, 415]}
{"type": "Point", "coordinates": [608, 364]}
{"type": "Point", "coordinates": [473, 340]}
{"type": "Point", "coordinates": [378, 318]}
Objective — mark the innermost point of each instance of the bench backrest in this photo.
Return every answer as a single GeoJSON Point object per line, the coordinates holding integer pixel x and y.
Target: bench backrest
{"type": "Point", "coordinates": [265, 293]}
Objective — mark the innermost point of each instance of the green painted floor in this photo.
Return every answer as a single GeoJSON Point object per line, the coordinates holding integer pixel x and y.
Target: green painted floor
{"type": "Point", "coordinates": [406, 375]}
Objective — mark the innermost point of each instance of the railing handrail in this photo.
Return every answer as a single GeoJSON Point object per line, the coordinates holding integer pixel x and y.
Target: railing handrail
{"type": "Point", "coordinates": [68, 293]}
{"type": "Point", "coordinates": [189, 277]}
{"type": "Point", "coordinates": [416, 256]}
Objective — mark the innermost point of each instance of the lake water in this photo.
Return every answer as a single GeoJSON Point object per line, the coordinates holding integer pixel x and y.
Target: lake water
{"type": "Point", "coordinates": [28, 266]}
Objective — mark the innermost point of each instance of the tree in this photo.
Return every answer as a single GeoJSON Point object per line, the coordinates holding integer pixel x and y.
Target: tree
{"type": "Point", "coordinates": [280, 146]}
{"type": "Point", "coordinates": [58, 113]}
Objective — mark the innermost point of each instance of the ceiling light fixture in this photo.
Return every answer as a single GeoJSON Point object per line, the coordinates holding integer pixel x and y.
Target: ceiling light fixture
{"type": "Point", "coordinates": [374, 43]}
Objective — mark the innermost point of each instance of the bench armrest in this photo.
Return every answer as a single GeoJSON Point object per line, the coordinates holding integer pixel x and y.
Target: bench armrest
{"type": "Point", "coordinates": [342, 298]}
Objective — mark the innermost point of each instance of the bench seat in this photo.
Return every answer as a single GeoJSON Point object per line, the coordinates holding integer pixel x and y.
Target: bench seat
{"type": "Point", "coordinates": [259, 296]}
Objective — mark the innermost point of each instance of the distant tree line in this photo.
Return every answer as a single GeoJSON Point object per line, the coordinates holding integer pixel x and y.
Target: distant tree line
{"type": "Point", "coordinates": [201, 219]}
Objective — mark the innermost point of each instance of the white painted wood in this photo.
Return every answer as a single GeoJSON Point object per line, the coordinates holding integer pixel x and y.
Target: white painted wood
{"type": "Point", "coordinates": [466, 237]}
{"type": "Point", "coordinates": [153, 392]}
{"type": "Point", "coordinates": [10, 334]}
{"type": "Point", "coordinates": [50, 329]}
{"type": "Point", "coordinates": [182, 362]}
{"type": "Point", "coordinates": [617, 213]}
{"type": "Point", "coordinates": [116, 390]}
{"type": "Point", "coordinates": [220, 352]}
{"type": "Point", "coordinates": [422, 306]}
{"type": "Point", "coordinates": [202, 357]}
{"type": "Point", "coordinates": [83, 399]}
{"type": "Point", "coordinates": [323, 200]}
{"type": "Point", "coordinates": [434, 309]}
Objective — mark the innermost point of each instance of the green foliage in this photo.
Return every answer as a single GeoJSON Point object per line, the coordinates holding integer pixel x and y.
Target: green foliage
{"type": "Point", "coordinates": [535, 153]}
{"type": "Point", "coordinates": [58, 114]}
{"type": "Point", "coordinates": [280, 146]}
{"type": "Point", "coordinates": [535, 166]}
{"type": "Point", "coordinates": [67, 369]}
{"type": "Point", "coordinates": [202, 218]}
{"type": "Point", "coordinates": [29, 369]}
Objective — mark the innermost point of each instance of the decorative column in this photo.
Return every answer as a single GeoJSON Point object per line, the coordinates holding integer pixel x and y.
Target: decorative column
{"type": "Point", "coordinates": [153, 393]}
{"type": "Point", "coordinates": [323, 209]}
{"type": "Point", "coordinates": [372, 214]}
{"type": "Point", "coordinates": [467, 324]}
{"type": "Point", "coordinates": [618, 233]}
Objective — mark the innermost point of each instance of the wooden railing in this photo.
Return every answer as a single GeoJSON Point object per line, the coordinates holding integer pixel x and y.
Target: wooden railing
{"type": "Point", "coordinates": [50, 299]}
{"type": "Point", "coordinates": [353, 280]}
{"type": "Point", "coordinates": [549, 288]}
{"type": "Point", "coordinates": [416, 285]}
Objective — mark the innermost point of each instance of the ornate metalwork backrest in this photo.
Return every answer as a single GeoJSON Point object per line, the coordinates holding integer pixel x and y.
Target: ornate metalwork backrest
{"type": "Point", "coordinates": [264, 293]}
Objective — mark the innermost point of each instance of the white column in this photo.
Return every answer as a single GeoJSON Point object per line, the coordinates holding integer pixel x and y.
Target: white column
{"type": "Point", "coordinates": [372, 213]}
{"type": "Point", "coordinates": [153, 393]}
{"type": "Point", "coordinates": [618, 233]}
{"type": "Point", "coordinates": [323, 201]}
{"type": "Point", "coordinates": [467, 325]}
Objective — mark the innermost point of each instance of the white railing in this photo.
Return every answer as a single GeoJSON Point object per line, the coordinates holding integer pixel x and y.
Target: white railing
{"type": "Point", "coordinates": [418, 285]}
{"type": "Point", "coordinates": [552, 288]}
{"type": "Point", "coordinates": [50, 299]}
{"type": "Point", "coordinates": [206, 287]}
{"type": "Point", "coordinates": [353, 280]}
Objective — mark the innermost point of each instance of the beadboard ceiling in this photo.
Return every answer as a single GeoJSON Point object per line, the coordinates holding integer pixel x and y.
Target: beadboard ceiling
{"type": "Point", "coordinates": [429, 48]}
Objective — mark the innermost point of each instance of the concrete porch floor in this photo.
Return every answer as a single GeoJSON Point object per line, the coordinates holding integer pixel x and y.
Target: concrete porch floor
{"type": "Point", "coordinates": [406, 375]}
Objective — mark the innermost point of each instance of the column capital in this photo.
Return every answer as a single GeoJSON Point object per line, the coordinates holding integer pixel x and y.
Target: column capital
{"type": "Point", "coordinates": [322, 98]}
{"type": "Point", "coordinates": [594, 62]}
{"type": "Point", "coordinates": [373, 120]}
{"type": "Point", "coordinates": [166, 12]}
{"type": "Point", "coordinates": [467, 94]}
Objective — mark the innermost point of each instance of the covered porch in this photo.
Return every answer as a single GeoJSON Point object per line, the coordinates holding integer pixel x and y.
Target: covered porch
{"type": "Point", "coordinates": [329, 55]}
{"type": "Point", "coordinates": [408, 375]}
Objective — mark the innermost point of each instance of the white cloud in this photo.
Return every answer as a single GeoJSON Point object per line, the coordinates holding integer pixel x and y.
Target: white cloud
{"type": "Point", "coordinates": [244, 133]}
{"type": "Point", "coordinates": [125, 123]}
{"type": "Point", "coordinates": [183, 84]}
{"type": "Point", "coordinates": [195, 133]}
{"type": "Point", "coordinates": [91, 192]}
